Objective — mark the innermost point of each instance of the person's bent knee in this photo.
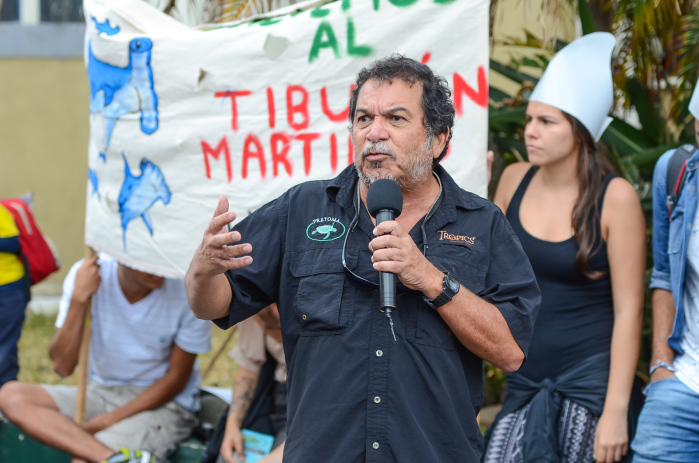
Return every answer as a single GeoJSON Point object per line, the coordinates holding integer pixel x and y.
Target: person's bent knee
{"type": "Point", "coordinates": [16, 396]}
{"type": "Point", "coordinates": [11, 394]}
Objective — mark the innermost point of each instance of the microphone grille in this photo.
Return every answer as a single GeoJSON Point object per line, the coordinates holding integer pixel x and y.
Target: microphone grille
{"type": "Point", "coordinates": [384, 194]}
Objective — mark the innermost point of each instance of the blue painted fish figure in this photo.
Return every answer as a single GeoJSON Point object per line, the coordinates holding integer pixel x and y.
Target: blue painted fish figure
{"type": "Point", "coordinates": [139, 194]}
{"type": "Point", "coordinates": [105, 27]}
{"type": "Point", "coordinates": [92, 175]}
{"type": "Point", "coordinates": [116, 91]}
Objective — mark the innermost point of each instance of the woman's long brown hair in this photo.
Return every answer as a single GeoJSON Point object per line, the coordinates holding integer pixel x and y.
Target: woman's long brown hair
{"type": "Point", "coordinates": [593, 168]}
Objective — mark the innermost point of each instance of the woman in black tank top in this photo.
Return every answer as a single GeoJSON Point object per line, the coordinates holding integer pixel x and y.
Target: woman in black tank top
{"type": "Point", "coordinates": [583, 230]}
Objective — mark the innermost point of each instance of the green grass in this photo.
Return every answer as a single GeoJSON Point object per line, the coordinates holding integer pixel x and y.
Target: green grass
{"type": "Point", "coordinates": [35, 365]}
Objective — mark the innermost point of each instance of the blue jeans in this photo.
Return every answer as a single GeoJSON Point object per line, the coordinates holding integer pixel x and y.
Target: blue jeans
{"type": "Point", "coordinates": [668, 428]}
{"type": "Point", "coordinates": [13, 301]}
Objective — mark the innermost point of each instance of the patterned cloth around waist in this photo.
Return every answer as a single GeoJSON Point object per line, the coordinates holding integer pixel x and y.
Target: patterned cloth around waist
{"type": "Point", "coordinates": [584, 384]}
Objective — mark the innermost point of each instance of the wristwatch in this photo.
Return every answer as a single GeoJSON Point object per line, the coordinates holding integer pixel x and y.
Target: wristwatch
{"type": "Point", "coordinates": [449, 289]}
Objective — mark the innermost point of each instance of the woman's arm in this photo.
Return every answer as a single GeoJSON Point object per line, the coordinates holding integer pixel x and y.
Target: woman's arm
{"type": "Point", "coordinates": [624, 227]}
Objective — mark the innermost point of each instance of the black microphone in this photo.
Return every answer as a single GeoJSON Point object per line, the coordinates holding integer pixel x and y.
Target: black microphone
{"type": "Point", "coordinates": [385, 202]}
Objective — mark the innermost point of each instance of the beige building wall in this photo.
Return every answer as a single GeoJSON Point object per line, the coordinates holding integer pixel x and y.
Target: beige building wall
{"type": "Point", "coordinates": [44, 126]}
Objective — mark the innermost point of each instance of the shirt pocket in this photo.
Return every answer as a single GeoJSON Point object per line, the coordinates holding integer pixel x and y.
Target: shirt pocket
{"type": "Point", "coordinates": [676, 231]}
{"type": "Point", "coordinates": [318, 305]}
{"type": "Point", "coordinates": [429, 328]}
{"type": "Point", "coordinates": [461, 261]}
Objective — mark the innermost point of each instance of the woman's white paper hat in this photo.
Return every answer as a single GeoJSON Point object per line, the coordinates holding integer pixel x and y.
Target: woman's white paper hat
{"type": "Point", "coordinates": [578, 80]}
{"type": "Point", "coordinates": [694, 102]}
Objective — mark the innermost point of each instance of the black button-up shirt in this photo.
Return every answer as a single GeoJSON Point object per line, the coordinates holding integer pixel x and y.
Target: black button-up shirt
{"type": "Point", "coordinates": [354, 394]}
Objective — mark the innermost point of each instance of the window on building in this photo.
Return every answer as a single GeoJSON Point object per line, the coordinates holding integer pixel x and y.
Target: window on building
{"type": "Point", "coordinates": [9, 10]}
{"type": "Point", "coordinates": [62, 11]}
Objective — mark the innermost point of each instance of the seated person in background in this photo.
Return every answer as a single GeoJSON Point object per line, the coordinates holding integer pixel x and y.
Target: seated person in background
{"type": "Point", "coordinates": [259, 338]}
{"type": "Point", "coordinates": [143, 376]}
{"type": "Point", "coordinates": [14, 295]}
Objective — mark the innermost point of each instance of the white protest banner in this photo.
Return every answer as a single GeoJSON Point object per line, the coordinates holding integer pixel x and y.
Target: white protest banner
{"type": "Point", "coordinates": [180, 116]}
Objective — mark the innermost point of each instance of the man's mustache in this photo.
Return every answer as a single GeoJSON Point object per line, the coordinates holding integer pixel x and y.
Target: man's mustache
{"type": "Point", "coordinates": [377, 148]}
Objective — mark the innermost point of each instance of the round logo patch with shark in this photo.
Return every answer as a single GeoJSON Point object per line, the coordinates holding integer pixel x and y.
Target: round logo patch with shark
{"type": "Point", "coordinates": [325, 229]}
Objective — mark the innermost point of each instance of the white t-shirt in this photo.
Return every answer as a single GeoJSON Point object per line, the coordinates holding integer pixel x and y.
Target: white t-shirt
{"type": "Point", "coordinates": [687, 364]}
{"type": "Point", "coordinates": [131, 343]}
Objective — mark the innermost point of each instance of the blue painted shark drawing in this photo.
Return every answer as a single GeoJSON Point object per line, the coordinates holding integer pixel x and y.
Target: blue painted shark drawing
{"type": "Point", "coordinates": [105, 27]}
{"type": "Point", "coordinates": [139, 194]}
{"type": "Point", "coordinates": [116, 91]}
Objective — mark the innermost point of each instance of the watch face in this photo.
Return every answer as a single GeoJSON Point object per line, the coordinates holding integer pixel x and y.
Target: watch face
{"type": "Point", "coordinates": [453, 284]}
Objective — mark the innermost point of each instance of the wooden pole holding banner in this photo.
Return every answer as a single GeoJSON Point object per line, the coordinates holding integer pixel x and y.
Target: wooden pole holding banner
{"type": "Point", "coordinates": [218, 353]}
{"type": "Point", "coordinates": [83, 357]}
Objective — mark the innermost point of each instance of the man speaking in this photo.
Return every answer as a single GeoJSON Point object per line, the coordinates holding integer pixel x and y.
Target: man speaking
{"type": "Point", "coordinates": [465, 290]}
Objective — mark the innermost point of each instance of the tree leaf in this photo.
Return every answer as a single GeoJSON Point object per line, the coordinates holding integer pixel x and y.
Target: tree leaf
{"type": "Point", "coordinates": [511, 73]}
{"type": "Point", "coordinates": [586, 19]}
{"type": "Point", "coordinates": [626, 138]}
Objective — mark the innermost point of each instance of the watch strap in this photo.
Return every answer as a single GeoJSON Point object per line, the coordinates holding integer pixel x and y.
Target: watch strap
{"type": "Point", "coordinates": [447, 293]}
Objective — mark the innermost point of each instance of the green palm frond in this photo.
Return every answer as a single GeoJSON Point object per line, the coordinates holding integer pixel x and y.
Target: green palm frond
{"type": "Point", "coordinates": [688, 61]}
{"type": "Point", "coordinates": [656, 63]}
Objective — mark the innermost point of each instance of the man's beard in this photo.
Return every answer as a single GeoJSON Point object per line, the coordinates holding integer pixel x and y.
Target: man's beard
{"type": "Point", "coordinates": [417, 165]}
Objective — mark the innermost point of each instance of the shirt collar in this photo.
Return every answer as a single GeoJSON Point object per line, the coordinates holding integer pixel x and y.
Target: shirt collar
{"type": "Point", "coordinates": [455, 196]}
{"type": "Point", "coordinates": [693, 161]}
{"type": "Point", "coordinates": [341, 190]}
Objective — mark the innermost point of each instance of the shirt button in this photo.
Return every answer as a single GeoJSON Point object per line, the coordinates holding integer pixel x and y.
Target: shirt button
{"type": "Point", "coordinates": [691, 187]}
{"type": "Point", "coordinates": [377, 399]}
{"type": "Point", "coordinates": [379, 353]}
{"type": "Point", "coordinates": [375, 445]}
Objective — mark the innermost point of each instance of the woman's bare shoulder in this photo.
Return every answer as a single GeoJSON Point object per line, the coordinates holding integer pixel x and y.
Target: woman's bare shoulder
{"type": "Point", "coordinates": [509, 181]}
{"type": "Point", "coordinates": [514, 173]}
{"type": "Point", "coordinates": [620, 194]}
{"type": "Point", "coordinates": [621, 206]}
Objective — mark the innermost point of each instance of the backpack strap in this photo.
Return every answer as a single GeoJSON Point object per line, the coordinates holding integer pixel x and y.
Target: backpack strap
{"type": "Point", "coordinates": [677, 175]}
